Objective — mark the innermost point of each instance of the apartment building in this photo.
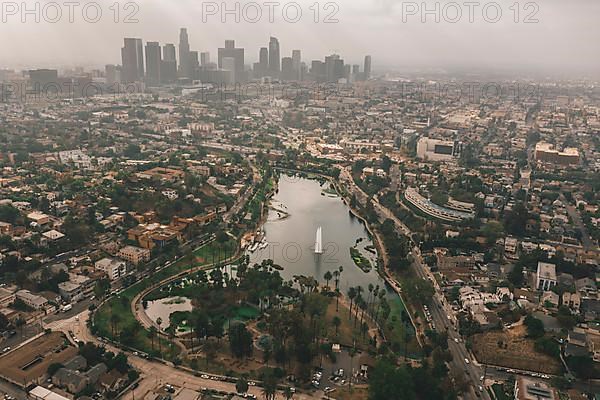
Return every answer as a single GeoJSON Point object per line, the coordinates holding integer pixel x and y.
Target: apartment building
{"type": "Point", "coordinates": [134, 255]}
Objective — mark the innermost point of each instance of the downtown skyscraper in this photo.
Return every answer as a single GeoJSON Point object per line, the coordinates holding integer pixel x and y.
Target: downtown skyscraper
{"type": "Point", "coordinates": [153, 63]}
{"type": "Point", "coordinates": [168, 69]}
{"type": "Point", "coordinates": [132, 59]}
{"type": "Point", "coordinates": [367, 67]}
{"type": "Point", "coordinates": [237, 65]}
{"type": "Point", "coordinates": [274, 57]}
{"type": "Point", "coordinates": [296, 64]}
{"type": "Point", "coordinates": [185, 64]}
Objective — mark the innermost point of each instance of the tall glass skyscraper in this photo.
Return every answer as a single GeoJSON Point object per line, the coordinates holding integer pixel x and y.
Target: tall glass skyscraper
{"type": "Point", "coordinates": [274, 57]}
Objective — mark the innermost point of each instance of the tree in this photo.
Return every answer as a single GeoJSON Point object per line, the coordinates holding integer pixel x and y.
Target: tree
{"type": "Point", "coordinates": [241, 385]}
{"type": "Point", "coordinates": [515, 220]}
{"type": "Point", "coordinates": [387, 382]}
{"type": "Point", "coordinates": [4, 322]}
{"type": "Point", "coordinates": [351, 294]}
{"type": "Point", "coordinates": [159, 322]}
{"type": "Point", "coordinates": [515, 276]}
{"type": "Point", "coordinates": [269, 385]}
{"type": "Point", "coordinates": [336, 321]}
{"type": "Point", "coordinates": [53, 368]}
{"type": "Point", "coordinates": [152, 335]}
{"type": "Point", "coordinates": [240, 340]}
{"type": "Point", "coordinates": [327, 278]}
{"type": "Point", "coordinates": [386, 163]}
{"type": "Point", "coordinates": [535, 327]}
{"type": "Point", "coordinates": [20, 323]}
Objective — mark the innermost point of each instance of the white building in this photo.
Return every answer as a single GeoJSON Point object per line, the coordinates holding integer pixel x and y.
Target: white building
{"type": "Point", "coordinates": [438, 150]}
{"type": "Point", "coordinates": [545, 276]}
{"type": "Point", "coordinates": [113, 267]}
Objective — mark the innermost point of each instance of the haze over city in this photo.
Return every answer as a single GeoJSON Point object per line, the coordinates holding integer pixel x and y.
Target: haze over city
{"type": "Point", "coordinates": [565, 38]}
{"type": "Point", "coordinates": [353, 200]}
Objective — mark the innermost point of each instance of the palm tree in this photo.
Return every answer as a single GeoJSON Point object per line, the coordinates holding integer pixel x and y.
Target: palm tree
{"type": "Point", "coordinates": [337, 299]}
{"type": "Point", "coordinates": [336, 278]}
{"type": "Point", "coordinates": [357, 304]}
{"type": "Point", "coordinates": [20, 322]}
{"type": "Point", "coordinates": [351, 372]}
{"type": "Point", "coordinates": [370, 287]}
{"type": "Point", "coordinates": [336, 322]}
{"type": "Point", "coordinates": [114, 321]}
{"type": "Point", "coordinates": [159, 322]}
{"type": "Point", "coordinates": [375, 295]}
{"type": "Point", "coordinates": [327, 277]}
{"type": "Point", "coordinates": [351, 294]}
{"type": "Point", "coordinates": [152, 335]}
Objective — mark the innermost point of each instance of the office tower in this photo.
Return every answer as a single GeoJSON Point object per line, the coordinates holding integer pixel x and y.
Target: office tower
{"type": "Point", "coordinates": [44, 81]}
{"type": "Point", "coordinates": [355, 69]}
{"type": "Point", "coordinates": [169, 52]}
{"type": "Point", "coordinates": [153, 63]}
{"type": "Point", "coordinates": [367, 68]}
{"type": "Point", "coordinates": [184, 54]}
{"type": "Point", "coordinates": [317, 70]}
{"type": "Point", "coordinates": [204, 58]}
{"type": "Point", "coordinates": [334, 68]}
{"type": "Point", "coordinates": [303, 71]}
{"type": "Point", "coordinates": [230, 51]}
{"type": "Point", "coordinates": [112, 74]}
{"type": "Point", "coordinates": [263, 57]}
{"type": "Point", "coordinates": [347, 71]}
{"type": "Point", "coordinates": [132, 56]}
{"type": "Point", "coordinates": [168, 67]}
{"type": "Point", "coordinates": [39, 78]}
{"type": "Point", "coordinates": [229, 64]}
{"type": "Point", "coordinates": [194, 64]}
{"type": "Point", "coordinates": [262, 66]}
{"type": "Point", "coordinates": [274, 57]}
{"type": "Point", "coordinates": [287, 69]}
{"type": "Point", "coordinates": [296, 61]}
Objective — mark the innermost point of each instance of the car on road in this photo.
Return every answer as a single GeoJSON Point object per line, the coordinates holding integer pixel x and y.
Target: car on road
{"type": "Point", "coordinates": [467, 360]}
{"type": "Point", "coordinates": [456, 340]}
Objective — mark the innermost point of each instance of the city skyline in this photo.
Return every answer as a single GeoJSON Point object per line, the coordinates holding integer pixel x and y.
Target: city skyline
{"type": "Point", "coordinates": [562, 40]}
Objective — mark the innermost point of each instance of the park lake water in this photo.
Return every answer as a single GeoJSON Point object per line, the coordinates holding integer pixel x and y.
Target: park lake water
{"type": "Point", "coordinates": [163, 308]}
{"type": "Point", "coordinates": [298, 209]}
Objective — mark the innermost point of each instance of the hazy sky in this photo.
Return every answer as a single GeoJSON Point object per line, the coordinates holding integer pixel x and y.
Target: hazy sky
{"type": "Point", "coordinates": [566, 36]}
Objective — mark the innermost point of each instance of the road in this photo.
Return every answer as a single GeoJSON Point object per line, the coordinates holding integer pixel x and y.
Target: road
{"type": "Point", "coordinates": [441, 312]}
{"type": "Point", "coordinates": [586, 240]}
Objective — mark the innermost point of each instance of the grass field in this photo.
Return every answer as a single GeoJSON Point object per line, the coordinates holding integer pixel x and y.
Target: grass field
{"type": "Point", "coordinates": [399, 329]}
{"type": "Point", "coordinates": [115, 316]}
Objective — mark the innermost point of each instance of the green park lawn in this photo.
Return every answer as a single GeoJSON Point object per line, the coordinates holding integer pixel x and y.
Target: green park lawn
{"type": "Point", "coordinates": [114, 319]}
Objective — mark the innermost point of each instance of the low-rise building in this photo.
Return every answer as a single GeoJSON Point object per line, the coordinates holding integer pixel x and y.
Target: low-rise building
{"type": "Point", "coordinates": [545, 276]}
{"type": "Point", "coordinates": [113, 267]}
{"type": "Point", "coordinates": [134, 255]}
{"type": "Point", "coordinates": [31, 300]}
{"type": "Point", "coordinates": [530, 389]}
